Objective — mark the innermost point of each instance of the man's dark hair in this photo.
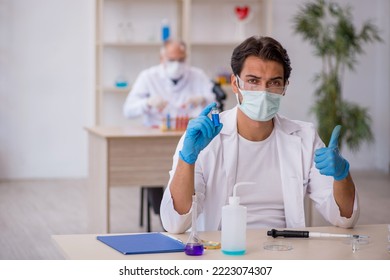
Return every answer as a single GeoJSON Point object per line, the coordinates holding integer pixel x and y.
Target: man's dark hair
{"type": "Point", "coordinates": [265, 48]}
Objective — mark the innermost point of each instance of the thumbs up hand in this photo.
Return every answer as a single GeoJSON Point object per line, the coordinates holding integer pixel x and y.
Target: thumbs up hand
{"type": "Point", "coordinates": [328, 159]}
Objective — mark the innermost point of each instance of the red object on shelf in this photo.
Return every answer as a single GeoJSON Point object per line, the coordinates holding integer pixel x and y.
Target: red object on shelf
{"type": "Point", "coordinates": [242, 12]}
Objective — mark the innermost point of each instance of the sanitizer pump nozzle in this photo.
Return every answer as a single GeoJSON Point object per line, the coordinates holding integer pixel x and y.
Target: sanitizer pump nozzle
{"type": "Point", "coordinates": [233, 230]}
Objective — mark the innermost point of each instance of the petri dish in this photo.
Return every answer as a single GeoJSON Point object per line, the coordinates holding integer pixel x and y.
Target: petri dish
{"type": "Point", "coordinates": [356, 242]}
{"type": "Point", "coordinates": [277, 245]}
{"type": "Point", "coordinates": [360, 241]}
{"type": "Point", "coordinates": [211, 245]}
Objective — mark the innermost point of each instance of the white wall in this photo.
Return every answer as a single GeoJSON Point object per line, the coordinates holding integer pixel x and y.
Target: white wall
{"type": "Point", "coordinates": [47, 72]}
{"type": "Point", "coordinates": [46, 87]}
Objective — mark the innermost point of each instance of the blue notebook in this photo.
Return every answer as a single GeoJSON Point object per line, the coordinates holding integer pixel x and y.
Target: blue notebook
{"type": "Point", "coordinates": [144, 243]}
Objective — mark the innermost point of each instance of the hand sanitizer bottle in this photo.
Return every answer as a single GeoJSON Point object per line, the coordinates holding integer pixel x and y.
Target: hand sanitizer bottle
{"type": "Point", "coordinates": [233, 234]}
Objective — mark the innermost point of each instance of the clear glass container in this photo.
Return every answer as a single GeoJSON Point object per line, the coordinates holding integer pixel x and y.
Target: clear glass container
{"type": "Point", "coordinates": [194, 245]}
{"type": "Point", "coordinates": [215, 116]}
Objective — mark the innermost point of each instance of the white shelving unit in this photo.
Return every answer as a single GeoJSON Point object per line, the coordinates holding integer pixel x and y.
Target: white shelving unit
{"type": "Point", "coordinates": [128, 40]}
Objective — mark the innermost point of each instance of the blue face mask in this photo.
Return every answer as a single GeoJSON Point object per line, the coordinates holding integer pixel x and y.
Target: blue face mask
{"type": "Point", "coordinates": [259, 105]}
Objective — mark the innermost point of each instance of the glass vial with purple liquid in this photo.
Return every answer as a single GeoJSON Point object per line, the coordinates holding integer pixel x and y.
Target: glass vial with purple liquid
{"type": "Point", "coordinates": [194, 245]}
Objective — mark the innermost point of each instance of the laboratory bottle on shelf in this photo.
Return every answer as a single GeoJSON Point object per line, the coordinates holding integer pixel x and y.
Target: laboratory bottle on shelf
{"type": "Point", "coordinates": [194, 245]}
{"type": "Point", "coordinates": [121, 82]}
{"type": "Point", "coordinates": [233, 229]}
{"type": "Point", "coordinates": [165, 30]}
{"type": "Point", "coordinates": [120, 32]}
{"type": "Point", "coordinates": [125, 32]}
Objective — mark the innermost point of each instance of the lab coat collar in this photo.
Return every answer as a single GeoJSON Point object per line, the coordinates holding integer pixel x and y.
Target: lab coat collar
{"type": "Point", "coordinates": [286, 125]}
{"type": "Point", "coordinates": [230, 126]}
{"type": "Point", "coordinates": [229, 143]}
{"type": "Point", "coordinates": [290, 162]}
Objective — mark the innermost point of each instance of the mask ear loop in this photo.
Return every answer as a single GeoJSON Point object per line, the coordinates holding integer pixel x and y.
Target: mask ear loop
{"type": "Point", "coordinates": [285, 88]}
{"type": "Point", "coordinates": [238, 81]}
{"type": "Point", "coordinates": [238, 86]}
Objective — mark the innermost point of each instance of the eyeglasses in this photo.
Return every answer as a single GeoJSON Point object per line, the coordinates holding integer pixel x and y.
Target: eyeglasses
{"type": "Point", "coordinates": [181, 59]}
{"type": "Point", "coordinates": [274, 86]}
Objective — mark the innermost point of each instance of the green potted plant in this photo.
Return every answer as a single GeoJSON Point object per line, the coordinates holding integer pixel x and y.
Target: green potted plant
{"type": "Point", "coordinates": [329, 28]}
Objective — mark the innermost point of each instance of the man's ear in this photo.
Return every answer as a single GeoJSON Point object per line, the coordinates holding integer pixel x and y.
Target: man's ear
{"type": "Point", "coordinates": [236, 92]}
{"type": "Point", "coordinates": [233, 83]}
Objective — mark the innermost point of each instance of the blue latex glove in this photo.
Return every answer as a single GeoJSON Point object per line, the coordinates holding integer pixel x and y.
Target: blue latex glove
{"type": "Point", "coordinates": [199, 133]}
{"type": "Point", "coordinates": [329, 161]}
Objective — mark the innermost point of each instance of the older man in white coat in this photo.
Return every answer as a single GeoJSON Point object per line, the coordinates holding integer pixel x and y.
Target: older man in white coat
{"type": "Point", "coordinates": [173, 87]}
{"type": "Point", "coordinates": [285, 158]}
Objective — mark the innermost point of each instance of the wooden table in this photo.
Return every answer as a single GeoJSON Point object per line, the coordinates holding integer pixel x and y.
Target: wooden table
{"type": "Point", "coordinates": [87, 247]}
{"type": "Point", "coordinates": [125, 156]}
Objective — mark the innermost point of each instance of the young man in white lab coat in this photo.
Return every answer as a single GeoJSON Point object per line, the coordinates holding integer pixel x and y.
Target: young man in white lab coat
{"type": "Point", "coordinates": [172, 87]}
{"type": "Point", "coordinates": [286, 159]}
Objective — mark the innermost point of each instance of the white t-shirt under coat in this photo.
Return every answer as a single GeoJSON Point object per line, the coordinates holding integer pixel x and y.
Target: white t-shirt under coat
{"type": "Point", "coordinates": [258, 162]}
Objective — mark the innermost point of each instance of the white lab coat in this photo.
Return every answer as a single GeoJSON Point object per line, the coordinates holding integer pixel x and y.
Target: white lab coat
{"type": "Point", "coordinates": [154, 81]}
{"type": "Point", "coordinates": [215, 176]}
